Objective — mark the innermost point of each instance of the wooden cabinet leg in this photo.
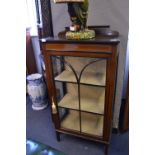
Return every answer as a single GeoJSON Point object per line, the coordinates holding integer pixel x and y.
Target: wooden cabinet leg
{"type": "Point", "coordinates": [58, 136]}
{"type": "Point", "coordinates": [106, 148]}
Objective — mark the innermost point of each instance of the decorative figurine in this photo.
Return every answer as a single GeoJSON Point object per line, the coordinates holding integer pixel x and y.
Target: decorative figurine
{"type": "Point", "coordinates": [78, 11]}
{"type": "Point", "coordinates": [78, 14]}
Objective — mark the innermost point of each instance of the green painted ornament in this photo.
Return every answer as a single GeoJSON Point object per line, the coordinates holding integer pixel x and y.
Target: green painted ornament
{"type": "Point", "coordinates": [78, 12]}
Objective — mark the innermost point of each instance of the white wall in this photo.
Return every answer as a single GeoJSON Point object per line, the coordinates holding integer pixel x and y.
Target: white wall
{"type": "Point", "coordinates": [37, 52]}
{"type": "Point", "coordinates": [102, 12]}
{"type": "Point", "coordinates": [31, 22]}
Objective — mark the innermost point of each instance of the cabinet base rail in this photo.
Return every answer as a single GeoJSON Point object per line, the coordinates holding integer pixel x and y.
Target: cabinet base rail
{"type": "Point", "coordinates": [85, 136]}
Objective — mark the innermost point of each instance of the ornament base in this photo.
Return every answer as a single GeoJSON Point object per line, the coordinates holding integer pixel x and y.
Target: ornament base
{"type": "Point", "coordinates": [80, 35]}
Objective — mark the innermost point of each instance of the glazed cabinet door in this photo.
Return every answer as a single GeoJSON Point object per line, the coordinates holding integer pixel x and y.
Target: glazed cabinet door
{"type": "Point", "coordinates": [79, 85]}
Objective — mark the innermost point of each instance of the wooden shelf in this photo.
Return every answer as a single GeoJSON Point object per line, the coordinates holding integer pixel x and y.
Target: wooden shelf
{"type": "Point", "coordinates": [91, 100]}
{"type": "Point", "coordinates": [69, 101]}
{"type": "Point", "coordinates": [87, 78]}
{"type": "Point", "coordinates": [90, 123]}
{"type": "Point", "coordinates": [71, 121]}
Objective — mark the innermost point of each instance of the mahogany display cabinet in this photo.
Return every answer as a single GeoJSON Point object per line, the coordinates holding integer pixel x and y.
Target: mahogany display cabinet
{"type": "Point", "coordinates": [81, 78]}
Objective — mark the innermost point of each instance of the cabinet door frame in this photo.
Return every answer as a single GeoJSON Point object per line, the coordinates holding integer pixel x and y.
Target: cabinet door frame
{"type": "Point", "coordinates": [110, 83]}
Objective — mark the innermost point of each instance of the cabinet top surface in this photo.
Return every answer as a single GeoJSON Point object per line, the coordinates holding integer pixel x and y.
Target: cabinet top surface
{"type": "Point", "coordinates": [96, 40]}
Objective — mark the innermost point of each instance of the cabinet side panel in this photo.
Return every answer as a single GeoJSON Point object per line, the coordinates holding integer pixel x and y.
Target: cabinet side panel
{"type": "Point", "coordinates": [110, 91]}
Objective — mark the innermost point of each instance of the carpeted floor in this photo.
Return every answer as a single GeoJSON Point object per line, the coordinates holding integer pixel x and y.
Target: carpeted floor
{"type": "Point", "coordinates": [40, 128]}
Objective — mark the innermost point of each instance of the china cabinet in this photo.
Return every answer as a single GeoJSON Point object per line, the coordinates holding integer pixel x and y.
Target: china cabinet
{"type": "Point", "coordinates": [81, 77]}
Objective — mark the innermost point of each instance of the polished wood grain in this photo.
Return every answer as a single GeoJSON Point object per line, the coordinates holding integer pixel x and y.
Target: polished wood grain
{"type": "Point", "coordinates": [79, 48]}
{"type": "Point", "coordinates": [79, 54]}
{"type": "Point", "coordinates": [111, 75]}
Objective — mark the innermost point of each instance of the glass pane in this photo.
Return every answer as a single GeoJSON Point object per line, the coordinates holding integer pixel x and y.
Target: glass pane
{"type": "Point", "coordinates": [80, 88]}
{"type": "Point", "coordinates": [69, 98]}
{"type": "Point", "coordinates": [69, 119]}
{"type": "Point", "coordinates": [66, 73]}
{"type": "Point", "coordinates": [92, 124]}
{"type": "Point", "coordinates": [66, 93]}
{"type": "Point", "coordinates": [92, 70]}
{"type": "Point", "coordinates": [95, 72]}
{"type": "Point", "coordinates": [92, 99]}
